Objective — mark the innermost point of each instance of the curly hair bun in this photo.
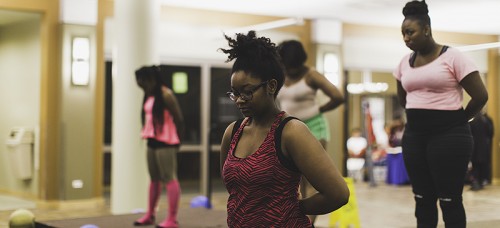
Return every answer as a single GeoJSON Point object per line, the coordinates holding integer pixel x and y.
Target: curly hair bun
{"type": "Point", "coordinates": [248, 46]}
{"type": "Point", "coordinates": [415, 8]}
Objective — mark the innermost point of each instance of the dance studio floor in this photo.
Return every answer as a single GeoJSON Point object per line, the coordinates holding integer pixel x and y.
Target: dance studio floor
{"type": "Point", "coordinates": [383, 206]}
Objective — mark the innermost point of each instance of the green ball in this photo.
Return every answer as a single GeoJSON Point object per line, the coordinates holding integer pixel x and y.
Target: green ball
{"type": "Point", "coordinates": [22, 218]}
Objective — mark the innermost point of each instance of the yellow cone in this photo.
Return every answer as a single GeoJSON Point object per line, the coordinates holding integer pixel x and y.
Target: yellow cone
{"type": "Point", "coordinates": [348, 215]}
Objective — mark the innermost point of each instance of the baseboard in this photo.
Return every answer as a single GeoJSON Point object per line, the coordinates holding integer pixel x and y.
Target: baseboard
{"type": "Point", "coordinates": [98, 202]}
{"type": "Point", "coordinates": [21, 194]}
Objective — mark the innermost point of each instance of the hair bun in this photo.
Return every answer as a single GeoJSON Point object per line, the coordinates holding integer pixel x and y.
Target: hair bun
{"type": "Point", "coordinates": [415, 8]}
{"type": "Point", "coordinates": [249, 46]}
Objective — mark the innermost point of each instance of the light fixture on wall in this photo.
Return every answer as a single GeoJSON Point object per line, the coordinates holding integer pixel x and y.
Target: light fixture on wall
{"type": "Point", "coordinates": [331, 68]}
{"type": "Point", "coordinates": [477, 47]}
{"type": "Point", "coordinates": [80, 61]}
{"type": "Point", "coordinates": [367, 86]}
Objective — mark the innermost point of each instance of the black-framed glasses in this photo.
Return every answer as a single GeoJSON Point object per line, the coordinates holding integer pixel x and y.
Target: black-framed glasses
{"type": "Point", "coordinates": [245, 95]}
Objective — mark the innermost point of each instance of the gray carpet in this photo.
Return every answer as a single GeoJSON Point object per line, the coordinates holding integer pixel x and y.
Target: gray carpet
{"type": "Point", "coordinates": [188, 218]}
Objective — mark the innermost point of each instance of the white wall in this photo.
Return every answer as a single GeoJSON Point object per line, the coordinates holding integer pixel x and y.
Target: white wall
{"type": "Point", "coordinates": [79, 12]}
{"type": "Point", "coordinates": [187, 41]}
{"type": "Point", "coordinates": [376, 50]}
{"type": "Point", "coordinates": [372, 52]}
{"type": "Point", "coordinates": [382, 51]}
{"type": "Point", "coordinates": [480, 58]}
{"type": "Point", "coordinates": [19, 92]}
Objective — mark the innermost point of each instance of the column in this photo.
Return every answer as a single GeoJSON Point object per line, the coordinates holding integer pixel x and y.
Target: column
{"type": "Point", "coordinates": [134, 46]}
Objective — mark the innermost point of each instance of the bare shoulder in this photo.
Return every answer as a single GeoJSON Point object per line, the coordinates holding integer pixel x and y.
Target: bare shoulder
{"type": "Point", "coordinates": [226, 138]}
{"type": "Point", "coordinates": [169, 96]}
{"type": "Point", "coordinates": [166, 91]}
{"type": "Point", "coordinates": [225, 144]}
{"type": "Point", "coordinates": [294, 128]}
{"type": "Point", "coordinates": [229, 128]}
{"type": "Point", "coordinates": [313, 74]}
{"type": "Point", "coordinates": [314, 78]}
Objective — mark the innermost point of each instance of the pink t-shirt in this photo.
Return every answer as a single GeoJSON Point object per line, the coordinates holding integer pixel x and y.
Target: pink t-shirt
{"type": "Point", "coordinates": [169, 133]}
{"type": "Point", "coordinates": [436, 84]}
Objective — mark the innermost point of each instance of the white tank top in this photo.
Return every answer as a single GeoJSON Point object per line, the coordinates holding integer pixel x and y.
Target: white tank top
{"type": "Point", "coordinates": [299, 100]}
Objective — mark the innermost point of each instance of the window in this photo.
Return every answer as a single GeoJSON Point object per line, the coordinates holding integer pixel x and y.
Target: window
{"type": "Point", "coordinates": [185, 81]}
{"type": "Point", "coordinates": [223, 110]}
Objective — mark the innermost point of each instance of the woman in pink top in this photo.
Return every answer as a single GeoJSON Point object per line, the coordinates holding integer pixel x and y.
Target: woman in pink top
{"type": "Point", "coordinates": [437, 141]}
{"type": "Point", "coordinates": [162, 126]}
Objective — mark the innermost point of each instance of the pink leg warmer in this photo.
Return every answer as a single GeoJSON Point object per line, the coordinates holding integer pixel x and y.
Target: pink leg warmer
{"type": "Point", "coordinates": [174, 195]}
{"type": "Point", "coordinates": [154, 195]}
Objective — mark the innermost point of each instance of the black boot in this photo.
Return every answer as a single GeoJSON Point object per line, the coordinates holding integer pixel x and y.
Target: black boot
{"type": "Point", "coordinates": [476, 186]}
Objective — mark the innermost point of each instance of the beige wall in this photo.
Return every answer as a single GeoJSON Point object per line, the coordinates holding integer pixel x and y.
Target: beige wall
{"type": "Point", "coordinates": [493, 108]}
{"type": "Point", "coordinates": [20, 89]}
{"type": "Point", "coordinates": [77, 120]}
{"type": "Point", "coordinates": [48, 91]}
{"type": "Point", "coordinates": [19, 95]}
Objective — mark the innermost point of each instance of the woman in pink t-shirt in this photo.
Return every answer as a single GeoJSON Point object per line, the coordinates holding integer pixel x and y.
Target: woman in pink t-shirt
{"type": "Point", "coordinates": [162, 126]}
{"type": "Point", "coordinates": [437, 141]}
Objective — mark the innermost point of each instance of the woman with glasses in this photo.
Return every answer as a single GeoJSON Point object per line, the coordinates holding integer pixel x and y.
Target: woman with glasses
{"type": "Point", "coordinates": [264, 155]}
{"type": "Point", "coordinates": [299, 93]}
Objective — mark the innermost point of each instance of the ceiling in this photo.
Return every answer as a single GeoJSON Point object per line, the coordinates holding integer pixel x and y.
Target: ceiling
{"type": "Point", "coordinates": [467, 16]}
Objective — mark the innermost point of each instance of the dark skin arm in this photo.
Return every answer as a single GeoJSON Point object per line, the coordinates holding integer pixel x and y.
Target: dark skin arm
{"type": "Point", "coordinates": [319, 81]}
{"type": "Point", "coordinates": [401, 94]}
{"type": "Point", "coordinates": [299, 144]}
{"type": "Point", "coordinates": [224, 146]}
{"type": "Point", "coordinates": [474, 86]}
{"type": "Point", "coordinates": [174, 108]}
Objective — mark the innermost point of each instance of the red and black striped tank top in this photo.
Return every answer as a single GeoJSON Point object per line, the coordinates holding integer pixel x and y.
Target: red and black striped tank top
{"type": "Point", "coordinates": [263, 192]}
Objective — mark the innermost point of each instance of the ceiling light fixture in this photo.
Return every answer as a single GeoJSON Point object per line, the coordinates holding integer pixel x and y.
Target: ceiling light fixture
{"type": "Point", "coordinates": [367, 86]}
{"type": "Point", "coordinates": [477, 47]}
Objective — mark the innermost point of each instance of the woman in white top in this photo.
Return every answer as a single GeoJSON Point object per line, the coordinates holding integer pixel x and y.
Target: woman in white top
{"type": "Point", "coordinates": [298, 96]}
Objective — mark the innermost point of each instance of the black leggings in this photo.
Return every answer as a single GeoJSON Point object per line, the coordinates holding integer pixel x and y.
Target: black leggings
{"type": "Point", "coordinates": [437, 165]}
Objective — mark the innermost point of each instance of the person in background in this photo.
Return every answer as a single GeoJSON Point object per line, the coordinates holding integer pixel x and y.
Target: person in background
{"type": "Point", "coordinates": [396, 130]}
{"type": "Point", "coordinates": [298, 97]}
{"type": "Point", "coordinates": [356, 149]}
{"type": "Point", "coordinates": [396, 171]}
{"type": "Point", "coordinates": [264, 155]}
{"type": "Point", "coordinates": [482, 132]}
{"type": "Point", "coordinates": [356, 144]}
{"type": "Point", "coordinates": [437, 141]}
{"type": "Point", "coordinates": [162, 126]}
